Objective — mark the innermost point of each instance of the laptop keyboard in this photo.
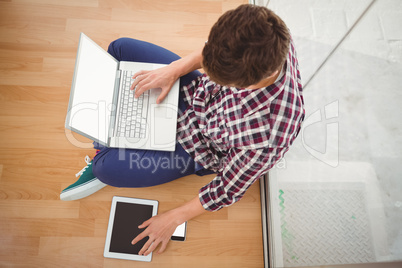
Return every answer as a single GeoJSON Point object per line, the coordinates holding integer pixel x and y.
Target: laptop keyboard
{"type": "Point", "coordinates": [133, 113]}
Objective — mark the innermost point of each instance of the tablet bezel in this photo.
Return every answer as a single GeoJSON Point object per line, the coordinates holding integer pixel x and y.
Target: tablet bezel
{"type": "Point", "coordinates": [131, 200]}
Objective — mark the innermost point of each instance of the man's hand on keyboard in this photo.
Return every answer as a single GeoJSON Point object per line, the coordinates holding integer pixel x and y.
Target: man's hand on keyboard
{"type": "Point", "coordinates": [163, 78]}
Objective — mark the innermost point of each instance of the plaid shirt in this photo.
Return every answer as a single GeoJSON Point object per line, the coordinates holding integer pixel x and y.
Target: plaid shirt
{"type": "Point", "coordinates": [240, 133]}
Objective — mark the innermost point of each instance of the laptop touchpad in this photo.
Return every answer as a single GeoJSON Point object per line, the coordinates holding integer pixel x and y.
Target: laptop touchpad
{"type": "Point", "coordinates": [161, 110]}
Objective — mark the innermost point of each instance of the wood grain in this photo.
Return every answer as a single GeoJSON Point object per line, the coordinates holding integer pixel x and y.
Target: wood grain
{"type": "Point", "coordinates": [38, 44]}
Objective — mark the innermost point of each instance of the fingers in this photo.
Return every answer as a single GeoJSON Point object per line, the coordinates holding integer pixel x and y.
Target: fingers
{"type": "Point", "coordinates": [158, 78]}
{"type": "Point", "coordinates": [153, 241]}
{"type": "Point", "coordinates": [163, 247]}
{"type": "Point", "coordinates": [142, 84]}
{"type": "Point", "coordinates": [139, 73]}
{"type": "Point", "coordinates": [159, 229]}
{"type": "Point", "coordinates": [139, 237]}
{"type": "Point", "coordinates": [135, 78]}
{"type": "Point", "coordinates": [138, 78]}
{"type": "Point", "coordinates": [145, 247]}
{"type": "Point", "coordinates": [143, 234]}
{"type": "Point", "coordinates": [142, 87]}
{"type": "Point", "coordinates": [149, 247]}
{"type": "Point", "coordinates": [145, 223]}
{"type": "Point", "coordinates": [162, 96]}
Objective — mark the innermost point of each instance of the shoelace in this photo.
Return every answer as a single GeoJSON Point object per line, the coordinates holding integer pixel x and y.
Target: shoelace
{"type": "Point", "coordinates": [88, 161]}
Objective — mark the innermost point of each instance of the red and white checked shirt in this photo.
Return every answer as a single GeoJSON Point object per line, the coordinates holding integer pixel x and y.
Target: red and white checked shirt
{"type": "Point", "coordinates": [240, 133]}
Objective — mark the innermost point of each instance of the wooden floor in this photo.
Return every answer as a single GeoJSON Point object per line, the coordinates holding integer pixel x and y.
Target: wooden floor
{"type": "Point", "coordinates": [38, 42]}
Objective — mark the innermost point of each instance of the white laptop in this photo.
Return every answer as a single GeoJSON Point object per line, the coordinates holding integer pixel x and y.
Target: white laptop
{"type": "Point", "coordinates": [103, 109]}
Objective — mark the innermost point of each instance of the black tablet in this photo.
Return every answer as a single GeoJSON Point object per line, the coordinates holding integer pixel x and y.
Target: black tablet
{"type": "Point", "coordinates": [126, 215]}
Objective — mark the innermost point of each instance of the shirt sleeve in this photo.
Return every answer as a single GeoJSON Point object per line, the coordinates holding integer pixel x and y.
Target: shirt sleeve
{"type": "Point", "coordinates": [188, 91]}
{"type": "Point", "coordinates": [242, 169]}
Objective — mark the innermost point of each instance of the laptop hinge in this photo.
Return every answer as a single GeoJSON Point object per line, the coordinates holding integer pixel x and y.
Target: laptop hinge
{"type": "Point", "coordinates": [114, 105]}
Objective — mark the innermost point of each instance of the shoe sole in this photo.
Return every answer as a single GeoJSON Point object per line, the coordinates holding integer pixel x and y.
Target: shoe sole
{"type": "Point", "coordinates": [82, 191]}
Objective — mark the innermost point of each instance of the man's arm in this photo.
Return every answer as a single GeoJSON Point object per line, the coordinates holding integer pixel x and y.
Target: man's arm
{"type": "Point", "coordinates": [189, 63]}
{"type": "Point", "coordinates": [165, 77]}
{"type": "Point", "coordinates": [161, 227]}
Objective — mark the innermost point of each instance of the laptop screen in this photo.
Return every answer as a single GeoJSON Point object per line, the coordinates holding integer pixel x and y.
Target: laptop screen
{"type": "Point", "coordinates": [92, 91]}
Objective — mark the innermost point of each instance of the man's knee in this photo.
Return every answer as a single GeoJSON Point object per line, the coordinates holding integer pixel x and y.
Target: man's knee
{"type": "Point", "coordinates": [115, 47]}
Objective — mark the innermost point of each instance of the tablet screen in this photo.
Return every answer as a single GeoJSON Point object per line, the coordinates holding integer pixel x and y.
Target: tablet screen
{"type": "Point", "coordinates": [127, 218]}
{"type": "Point", "coordinates": [126, 215]}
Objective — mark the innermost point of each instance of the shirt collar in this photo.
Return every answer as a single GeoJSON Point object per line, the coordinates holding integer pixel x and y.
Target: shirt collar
{"type": "Point", "coordinates": [254, 99]}
{"type": "Point", "coordinates": [251, 100]}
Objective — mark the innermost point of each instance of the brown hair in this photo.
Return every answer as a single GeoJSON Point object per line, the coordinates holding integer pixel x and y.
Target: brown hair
{"type": "Point", "coordinates": [245, 45]}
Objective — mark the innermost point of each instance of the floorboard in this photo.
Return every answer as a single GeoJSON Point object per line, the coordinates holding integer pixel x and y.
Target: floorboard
{"type": "Point", "coordinates": [38, 158]}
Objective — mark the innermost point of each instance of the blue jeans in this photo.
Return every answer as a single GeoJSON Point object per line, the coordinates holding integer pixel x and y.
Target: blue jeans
{"type": "Point", "coordinates": [142, 168]}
